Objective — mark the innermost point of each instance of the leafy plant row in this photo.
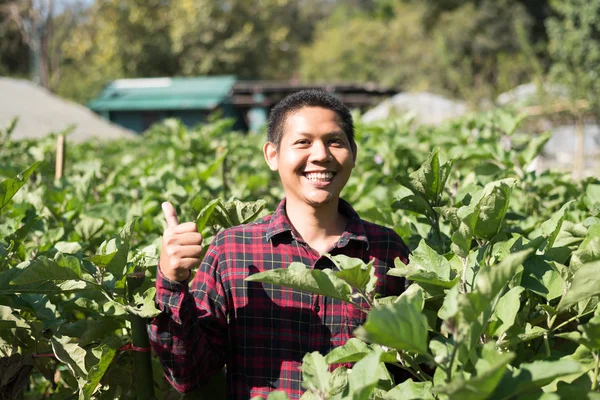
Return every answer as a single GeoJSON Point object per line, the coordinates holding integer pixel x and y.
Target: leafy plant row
{"type": "Point", "coordinates": [503, 300]}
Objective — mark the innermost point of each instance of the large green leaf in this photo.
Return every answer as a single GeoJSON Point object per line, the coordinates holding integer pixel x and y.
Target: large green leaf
{"type": "Point", "coordinates": [106, 355]}
{"type": "Point", "coordinates": [43, 269]}
{"type": "Point", "coordinates": [315, 373]}
{"type": "Point", "coordinates": [410, 390]}
{"type": "Point", "coordinates": [353, 350]}
{"type": "Point", "coordinates": [585, 284]}
{"type": "Point", "coordinates": [480, 386]}
{"type": "Point", "coordinates": [531, 376]}
{"type": "Point", "coordinates": [9, 187]}
{"type": "Point", "coordinates": [400, 326]}
{"type": "Point", "coordinates": [298, 276]}
{"type": "Point", "coordinates": [491, 280]}
{"type": "Point", "coordinates": [507, 309]}
{"type": "Point", "coordinates": [365, 375]}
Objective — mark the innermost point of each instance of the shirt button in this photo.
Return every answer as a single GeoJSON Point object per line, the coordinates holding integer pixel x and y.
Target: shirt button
{"type": "Point", "coordinates": [317, 308]}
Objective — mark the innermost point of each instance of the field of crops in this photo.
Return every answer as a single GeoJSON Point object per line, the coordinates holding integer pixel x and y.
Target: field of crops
{"type": "Point", "coordinates": [505, 268]}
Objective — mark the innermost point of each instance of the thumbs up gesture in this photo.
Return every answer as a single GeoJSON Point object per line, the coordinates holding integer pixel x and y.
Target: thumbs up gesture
{"type": "Point", "coordinates": [181, 246]}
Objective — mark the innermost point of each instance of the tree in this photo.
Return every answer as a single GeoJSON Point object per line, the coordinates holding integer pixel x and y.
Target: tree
{"type": "Point", "coordinates": [575, 48]}
{"type": "Point", "coordinates": [44, 31]}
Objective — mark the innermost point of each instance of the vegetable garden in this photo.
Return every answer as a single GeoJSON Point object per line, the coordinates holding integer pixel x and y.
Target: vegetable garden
{"type": "Point", "coordinates": [504, 270]}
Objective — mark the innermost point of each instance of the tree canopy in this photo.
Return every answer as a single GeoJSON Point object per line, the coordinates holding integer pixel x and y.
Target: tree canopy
{"type": "Point", "coordinates": [471, 49]}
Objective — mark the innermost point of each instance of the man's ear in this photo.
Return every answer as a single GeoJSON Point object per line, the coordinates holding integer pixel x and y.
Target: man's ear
{"type": "Point", "coordinates": [270, 152]}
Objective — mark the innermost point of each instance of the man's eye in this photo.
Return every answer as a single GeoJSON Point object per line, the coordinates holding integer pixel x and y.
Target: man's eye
{"type": "Point", "coordinates": [302, 141]}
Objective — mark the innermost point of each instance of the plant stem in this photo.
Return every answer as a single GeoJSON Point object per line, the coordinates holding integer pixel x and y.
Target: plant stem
{"type": "Point", "coordinates": [464, 274]}
{"type": "Point", "coordinates": [547, 345]}
{"type": "Point", "coordinates": [595, 378]}
{"type": "Point", "coordinates": [451, 364]}
{"type": "Point", "coordinates": [570, 320]}
{"type": "Point", "coordinates": [412, 372]}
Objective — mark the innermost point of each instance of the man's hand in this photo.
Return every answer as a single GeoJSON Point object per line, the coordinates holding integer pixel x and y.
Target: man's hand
{"type": "Point", "coordinates": [181, 246]}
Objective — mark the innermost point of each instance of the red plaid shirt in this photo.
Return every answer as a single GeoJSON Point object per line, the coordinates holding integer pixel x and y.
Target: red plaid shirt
{"type": "Point", "coordinates": [262, 331]}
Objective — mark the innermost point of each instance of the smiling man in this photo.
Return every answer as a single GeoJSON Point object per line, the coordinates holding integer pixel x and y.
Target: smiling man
{"type": "Point", "coordinates": [260, 331]}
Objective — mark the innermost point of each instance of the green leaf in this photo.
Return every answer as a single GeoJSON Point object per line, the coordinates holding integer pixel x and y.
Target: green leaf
{"type": "Point", "coordinates": [353, 350]}
{"type": "Point", "coordinates": [589, 250]}
{"type": "Point", "coordinates": [592, 195]}
{"type": "Point", "coordinates": [97, 371]}
{"type": "Point", "coordinates": [315, 373]}
{"type": "Point", "coordinates": [540, 277]}
{"type": "Point", "coordinates": [88, 227]}
{"type": "Point", "coordinates": [486, 211]}
{"type": "Point", "coordinates": [236, 212]}
{"type": "Point", "coordinates": [551, 227]}
{"type": "Point", "coordinates": [479, 387]}
{"type": "Point", "coordinates": [112, 255]}
{"type": "Point", "coordinates": [43, 269]}
{"type": "Point", "coordinates": [9, 187]}
{"type": "Point", "coordinates": [298, 276]}
{"type": "Point", "coordinates": [585, 284]}
{"type": "Point", "coordinates": [205, 211]}
{"type": "Point", "coordinates": [531, 376]}
{"type": "Point", "coordinates": [491, 280]}
{"type": "Point", "coordinates": [365, 375]}
{"type": "Point", "coordinates": [429, 180]}
{"type": "Point", "coordinates": [68, 351]}
{"type": "Point", "coordinates": [355, 272]}
{"type": "Point", "coordinates": [426, 266]}
{"type": "Point", "coordinates": [508, 308]}
{"type": "Point", "coordinates": [535, 147]}
{"type": "Point", "coordinates": [591, 331]}
{"type": "Point", "coordinates": [414, 203]}
{"type": "Point", "coordinates": [410, 390]}
{"type": "Point", "coordinates": [399, 326]}
{"type": "Point", "coordinates": [143, 304]}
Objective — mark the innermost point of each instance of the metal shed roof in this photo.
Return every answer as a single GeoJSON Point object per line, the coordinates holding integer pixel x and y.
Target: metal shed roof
{"type": "Point", "coordinates": [164, 94]}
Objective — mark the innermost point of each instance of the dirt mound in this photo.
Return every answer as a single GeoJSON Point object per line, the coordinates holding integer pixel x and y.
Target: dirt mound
{"type": "Point", "coordinates": [41, 112]}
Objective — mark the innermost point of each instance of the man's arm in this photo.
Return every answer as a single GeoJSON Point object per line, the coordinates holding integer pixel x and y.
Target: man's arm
{"type": "Point", "coordinates": [190, 335]}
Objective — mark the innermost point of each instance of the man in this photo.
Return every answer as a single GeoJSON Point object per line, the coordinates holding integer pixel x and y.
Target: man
{"type": "Point", "coordinates": [260, 331]}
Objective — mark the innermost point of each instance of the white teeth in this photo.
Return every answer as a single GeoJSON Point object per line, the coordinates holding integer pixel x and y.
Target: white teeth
{"type": "Point", "coordinates": [319, 176]}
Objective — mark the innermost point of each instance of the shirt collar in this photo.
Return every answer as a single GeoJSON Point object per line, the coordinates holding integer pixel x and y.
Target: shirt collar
{"type": "Point", "coordinates": [280, 225]}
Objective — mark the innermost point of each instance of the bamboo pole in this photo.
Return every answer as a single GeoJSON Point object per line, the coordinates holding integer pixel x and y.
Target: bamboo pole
{"type": "Point", "coordinates": [60, 156]}
{"type": "Point", "coordinates": [579, 156]}
{"type": "Point", "coordinates": [142, 361]}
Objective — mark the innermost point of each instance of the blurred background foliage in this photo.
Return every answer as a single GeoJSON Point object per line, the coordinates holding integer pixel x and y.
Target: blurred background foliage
{"type": "Point", "coordinates": [469, 49]}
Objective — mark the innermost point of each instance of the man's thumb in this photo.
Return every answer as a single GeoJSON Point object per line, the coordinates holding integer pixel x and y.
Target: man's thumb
{"type": "Point", "coordinates": [170, 214]}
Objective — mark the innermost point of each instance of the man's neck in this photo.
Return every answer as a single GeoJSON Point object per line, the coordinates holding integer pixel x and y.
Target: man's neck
{"type": "Point", "coordinates": [319, 227]}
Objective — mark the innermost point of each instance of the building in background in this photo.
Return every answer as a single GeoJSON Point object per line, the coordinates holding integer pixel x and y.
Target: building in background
{"type": "Point", "coordinates": [138, 103]}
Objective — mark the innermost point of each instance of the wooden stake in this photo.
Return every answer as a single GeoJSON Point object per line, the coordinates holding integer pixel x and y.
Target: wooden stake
{"type": "Point", "coordinates": [60, 157]}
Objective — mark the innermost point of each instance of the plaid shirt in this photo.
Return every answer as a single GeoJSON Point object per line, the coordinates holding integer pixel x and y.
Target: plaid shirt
{"type": "Point", "coordinates": [262, 331]}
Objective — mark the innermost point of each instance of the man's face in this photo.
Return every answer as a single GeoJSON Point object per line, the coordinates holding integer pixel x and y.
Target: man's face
{"type": "Point", "coordinates": [314, 159]}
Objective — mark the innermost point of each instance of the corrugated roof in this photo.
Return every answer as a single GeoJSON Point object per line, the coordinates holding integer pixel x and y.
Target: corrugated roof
{"type": "Point", "coordinates": [164, 94]}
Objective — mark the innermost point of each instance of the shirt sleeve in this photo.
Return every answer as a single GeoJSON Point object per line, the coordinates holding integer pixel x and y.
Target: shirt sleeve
{"type": "Point", "coordinates": [190, 335]}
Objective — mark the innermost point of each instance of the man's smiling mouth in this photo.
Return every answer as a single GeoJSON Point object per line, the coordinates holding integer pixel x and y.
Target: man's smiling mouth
{"type": "Point", "coordinates": [326, 176]}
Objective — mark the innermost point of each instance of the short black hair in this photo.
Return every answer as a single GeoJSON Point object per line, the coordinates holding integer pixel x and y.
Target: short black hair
{"type": "Point", "coordinates": [308, 98]}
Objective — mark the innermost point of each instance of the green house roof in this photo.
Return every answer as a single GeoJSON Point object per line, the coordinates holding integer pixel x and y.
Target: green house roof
{"type": "Point", "coordinates": [164, 94]}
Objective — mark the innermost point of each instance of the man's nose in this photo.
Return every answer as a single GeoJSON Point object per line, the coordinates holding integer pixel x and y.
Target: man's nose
{"type": "Point", "coordinates": [320, 152]}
